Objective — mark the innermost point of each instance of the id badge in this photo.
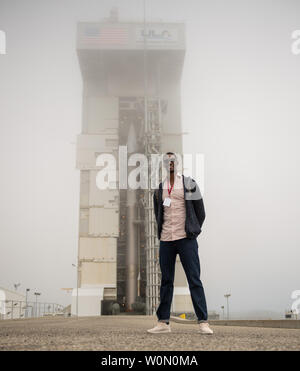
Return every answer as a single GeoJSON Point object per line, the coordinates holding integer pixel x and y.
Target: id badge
{"type": "Point", "coordinates": [167, 201]}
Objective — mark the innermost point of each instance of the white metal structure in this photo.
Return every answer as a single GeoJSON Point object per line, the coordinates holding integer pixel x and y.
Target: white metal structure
{"type": "Point", "coordinates": [12, 304]}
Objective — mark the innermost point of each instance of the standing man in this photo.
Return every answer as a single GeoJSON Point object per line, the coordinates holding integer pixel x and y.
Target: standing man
{"type": "Point", "coordinates": [179, 212]}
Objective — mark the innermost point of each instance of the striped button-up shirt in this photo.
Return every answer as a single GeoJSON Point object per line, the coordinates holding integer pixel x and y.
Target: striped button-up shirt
{"type": "Point", "coordinates": [173, 227]}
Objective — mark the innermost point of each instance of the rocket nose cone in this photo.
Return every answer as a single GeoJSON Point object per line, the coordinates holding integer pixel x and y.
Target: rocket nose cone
{"type": "Point", "coordinates": [131, 140]}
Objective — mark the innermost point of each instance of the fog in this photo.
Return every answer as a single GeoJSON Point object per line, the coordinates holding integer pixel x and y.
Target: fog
{"type": "Point", "coordinates": [240, 109]}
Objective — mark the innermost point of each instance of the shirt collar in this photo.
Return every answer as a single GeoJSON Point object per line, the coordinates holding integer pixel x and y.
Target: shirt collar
{"type": "Point", "coordinates": [178, 175]}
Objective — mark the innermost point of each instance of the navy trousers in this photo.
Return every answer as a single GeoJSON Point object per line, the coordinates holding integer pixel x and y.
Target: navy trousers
{"type": "Point", "coordinates": [188, 253]}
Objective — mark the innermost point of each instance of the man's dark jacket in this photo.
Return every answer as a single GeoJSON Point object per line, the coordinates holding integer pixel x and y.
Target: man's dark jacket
{"type": "Point", "coordinates": [194, 207]}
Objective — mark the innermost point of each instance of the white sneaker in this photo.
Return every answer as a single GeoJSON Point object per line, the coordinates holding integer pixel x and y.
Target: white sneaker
{"type": "Point", "coordinates": [161, 327]}
{"type": "Point", "coordinates": [205, 329]}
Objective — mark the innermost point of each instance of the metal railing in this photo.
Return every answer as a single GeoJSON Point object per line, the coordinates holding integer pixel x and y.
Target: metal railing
{"type": "Point", "coordinates": [15, 309]}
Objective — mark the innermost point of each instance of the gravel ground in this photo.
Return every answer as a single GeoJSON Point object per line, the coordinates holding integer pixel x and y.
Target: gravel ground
{"type": "Point", "coordinates": [129, 333]}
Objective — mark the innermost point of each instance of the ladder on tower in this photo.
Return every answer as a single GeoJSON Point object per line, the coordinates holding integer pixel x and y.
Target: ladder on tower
{"type": "Point", "coordinates": [152, 141]}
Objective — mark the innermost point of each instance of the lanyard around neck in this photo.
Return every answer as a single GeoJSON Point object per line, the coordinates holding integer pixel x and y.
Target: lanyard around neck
{"type": "Point", "coordinates": [170, 190]}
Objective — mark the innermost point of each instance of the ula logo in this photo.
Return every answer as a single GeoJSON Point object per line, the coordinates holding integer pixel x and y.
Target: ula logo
{"type": "Point", "coordinates": [296, 44]}
{"type": "Point", "coordinates": [2, 42]}
{"type": "Point", "coordinates": [153, 34]}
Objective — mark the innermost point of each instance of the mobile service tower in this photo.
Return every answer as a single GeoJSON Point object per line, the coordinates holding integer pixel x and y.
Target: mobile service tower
{"type": "Point", "coordinates": [131, 75]}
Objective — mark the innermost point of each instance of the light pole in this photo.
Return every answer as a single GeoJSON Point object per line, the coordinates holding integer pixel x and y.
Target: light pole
{"type": "Point", "coordinates": [27, 290]}
{"type": "Point", "coordinates": [76, 266]}
{"type": "Point", "coordinates": [222, 307]}
{"type": "Point", "coordinates": [36, 297]}
{"type": "Point", "coordinates": [227, 296]}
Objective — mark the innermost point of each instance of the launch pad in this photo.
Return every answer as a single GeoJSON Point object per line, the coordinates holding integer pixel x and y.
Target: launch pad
{"type": "Point", "coordinates": [131, 97]}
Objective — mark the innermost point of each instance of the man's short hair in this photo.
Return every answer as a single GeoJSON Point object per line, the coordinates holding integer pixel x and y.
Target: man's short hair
{"type": "Point", "coordinates": [170, 153]}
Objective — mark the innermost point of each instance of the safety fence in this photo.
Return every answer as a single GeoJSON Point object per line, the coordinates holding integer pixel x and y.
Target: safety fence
{"type": "Point", "coordinates": [14, 309]}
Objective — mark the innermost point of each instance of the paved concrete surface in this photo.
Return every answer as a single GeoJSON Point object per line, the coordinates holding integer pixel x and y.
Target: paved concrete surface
{"type": "Point", "coordinates": [129, 333]}
{"type": "Point", "coordinates": [280, 323]}
{"type": "Point", "coordinates": [290, 323]}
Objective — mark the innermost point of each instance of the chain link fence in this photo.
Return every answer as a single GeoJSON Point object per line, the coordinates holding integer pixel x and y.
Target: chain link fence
{"type": "Point", "coordinates": [14, 309]}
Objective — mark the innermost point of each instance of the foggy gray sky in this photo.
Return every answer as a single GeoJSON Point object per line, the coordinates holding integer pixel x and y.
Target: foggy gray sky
{"type": "Point", "coordinates": [240, 104]}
